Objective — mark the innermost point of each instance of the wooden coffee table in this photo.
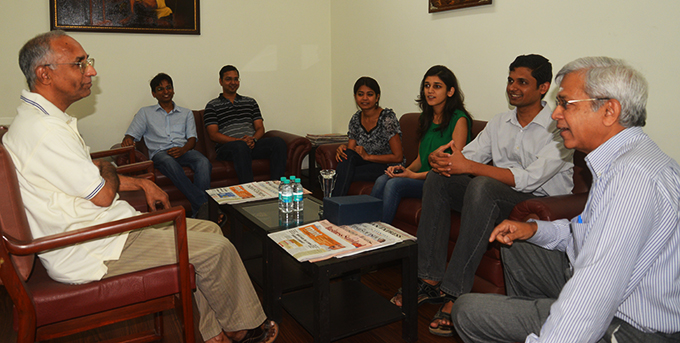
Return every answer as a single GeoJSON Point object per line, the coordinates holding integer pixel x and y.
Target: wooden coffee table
{"type": "Point", "coordinates": [327, 298]}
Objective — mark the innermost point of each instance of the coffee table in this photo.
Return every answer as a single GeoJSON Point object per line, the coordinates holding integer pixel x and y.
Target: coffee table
{"type": "Point", "coordinates": [320, 296]}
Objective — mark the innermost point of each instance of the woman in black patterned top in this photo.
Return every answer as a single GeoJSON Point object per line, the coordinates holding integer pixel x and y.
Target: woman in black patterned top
{"type": "Point", "coordinates": [374, 139]}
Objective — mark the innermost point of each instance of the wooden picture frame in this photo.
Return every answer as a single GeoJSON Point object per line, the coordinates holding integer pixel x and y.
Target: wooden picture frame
{"type": "Point", "coordinates": [445, 5]}
{"type": "Point", "coordinates": [128, 16]}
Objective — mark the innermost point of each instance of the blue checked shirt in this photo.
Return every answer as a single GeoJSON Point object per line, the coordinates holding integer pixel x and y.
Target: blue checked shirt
{"type": "Point", "coordinates": [162, 130]}
{"type": "Point", "coordinates": [624, 248]}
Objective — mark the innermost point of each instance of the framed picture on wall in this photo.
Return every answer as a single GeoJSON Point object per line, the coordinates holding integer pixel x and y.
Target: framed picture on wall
{"type": "Point", "coordinates": [134, 16]}
{"type": "Point", "coordinates": [445, 5]}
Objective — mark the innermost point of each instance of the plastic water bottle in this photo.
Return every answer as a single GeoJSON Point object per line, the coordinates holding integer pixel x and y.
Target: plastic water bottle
{"type": "Point", "coordinates": [286, 197]}
{"type": "Point", "coordinates": [298, 201]}
{"type": "Point", "coordinates": [280, 194]}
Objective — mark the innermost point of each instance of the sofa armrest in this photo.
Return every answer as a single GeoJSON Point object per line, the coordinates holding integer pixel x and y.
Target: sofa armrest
{"type": "Point", "coordinates": [550, 208]}
{"type": "Point", "coordinates": [298, 148]}
{"type": "Point", "coordinates": [325, 155]}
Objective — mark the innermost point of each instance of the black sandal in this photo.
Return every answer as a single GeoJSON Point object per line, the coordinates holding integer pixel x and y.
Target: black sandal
{"type": "Point", "coordinates": [265, 333]}
{"type": "Point", "coordinates": [441, 329]}
{"type": "Point", "coordinates": [426, 293]}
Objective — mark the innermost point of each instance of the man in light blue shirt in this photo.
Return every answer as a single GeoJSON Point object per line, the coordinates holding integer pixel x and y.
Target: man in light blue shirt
{"type": "Point", "coordinates": [169, 133]}
{"type": "Point", "coordinates": [611, 274]}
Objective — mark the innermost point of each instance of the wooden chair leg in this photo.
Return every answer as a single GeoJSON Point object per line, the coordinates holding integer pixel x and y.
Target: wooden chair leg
{"type": "Point", "coordinates": [158, 323]}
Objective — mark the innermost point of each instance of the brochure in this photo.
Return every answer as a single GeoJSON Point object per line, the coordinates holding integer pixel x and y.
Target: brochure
{"type": "Point", "coordinates": [247, 192]}
{"type": "Point", "coordinates": [322, 240]}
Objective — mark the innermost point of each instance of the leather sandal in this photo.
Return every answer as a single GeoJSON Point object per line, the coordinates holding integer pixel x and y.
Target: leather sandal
{"type": "Point", "coordinates": [265, 333]}
{"type": "Point", "coordinates": [426, 293]}
{"type": "Point", "coordinates": [441, 329]}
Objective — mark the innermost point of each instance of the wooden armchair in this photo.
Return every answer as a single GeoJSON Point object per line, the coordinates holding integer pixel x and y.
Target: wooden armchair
{"type": "Point", "coordinates": [45, 309]}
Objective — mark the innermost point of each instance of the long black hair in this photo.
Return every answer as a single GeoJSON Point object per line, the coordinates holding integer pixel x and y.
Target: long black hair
{"type": "Point", "coordinates": [453, 103]}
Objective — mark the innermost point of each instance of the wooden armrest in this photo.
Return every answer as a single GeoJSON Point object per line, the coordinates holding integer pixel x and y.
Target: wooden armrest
{"type": "Point", "coordinates": [175, 214]}
{"type": "Point", "coordinates": [136, 169]}
{"type": "Point", "coordinates": [129, 150]}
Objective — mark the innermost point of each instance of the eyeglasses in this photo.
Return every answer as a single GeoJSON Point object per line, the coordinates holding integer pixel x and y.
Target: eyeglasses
{"type": "Point", "coordinates": [82, 64]}
{"type": "Point", "coordinates": [564, 103]}
{"type": "Point", "coordinates": [166, 88]}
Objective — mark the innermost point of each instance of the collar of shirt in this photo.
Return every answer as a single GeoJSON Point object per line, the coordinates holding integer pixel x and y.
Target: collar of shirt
{"type": "Point", "coordinates": [543, 118]}
{"type": "Point", "coordinates": [158, 108]}
{"type": "Point", "coordinates": [599, 159]}
{"type": "Point", "coordinates": [45, 106]}
{"type": "Point", "coordinates": [238, 97]}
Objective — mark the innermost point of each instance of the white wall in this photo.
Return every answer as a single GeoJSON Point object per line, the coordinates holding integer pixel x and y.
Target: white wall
{"type": "Point", "coordinates": [282, 49]}
{"type": "Point", "coordinates": [396, 41]}
{"type": "Point", "coordinates": [300, 58]}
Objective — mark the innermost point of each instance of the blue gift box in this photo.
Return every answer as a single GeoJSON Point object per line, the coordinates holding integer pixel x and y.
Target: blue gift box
{"type": "Point", "coordinates": [352, 209]}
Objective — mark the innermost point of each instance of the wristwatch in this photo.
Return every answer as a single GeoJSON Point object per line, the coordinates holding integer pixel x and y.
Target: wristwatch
{"type": "Point", "coordinates": [254, 140]}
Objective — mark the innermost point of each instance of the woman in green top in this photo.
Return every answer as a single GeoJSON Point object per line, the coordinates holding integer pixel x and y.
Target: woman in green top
{"type": "Point", "coordinates": [443, 118]}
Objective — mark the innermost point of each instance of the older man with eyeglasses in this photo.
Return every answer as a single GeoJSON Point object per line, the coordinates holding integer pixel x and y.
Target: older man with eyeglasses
{"type": "Point", "coordinates": [64, 190]}
{"type": "Point", "coordinates": [611, 274]}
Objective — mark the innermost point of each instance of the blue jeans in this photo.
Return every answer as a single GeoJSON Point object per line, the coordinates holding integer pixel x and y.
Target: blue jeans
{"type": "Point", "coordinates": [272, 148]}
{"type": "Point", "coordinates": [392, 189]}
{"type": "Point", "coordinates": [172, 168]}
{"type": "Point", "coordinates": [355, 168]}
{"type": "Point", "coordinates": [482, 202]}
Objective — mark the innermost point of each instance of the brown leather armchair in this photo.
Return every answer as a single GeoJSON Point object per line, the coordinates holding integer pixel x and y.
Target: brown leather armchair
{"type": "Point", "coordinates": [46, 309]}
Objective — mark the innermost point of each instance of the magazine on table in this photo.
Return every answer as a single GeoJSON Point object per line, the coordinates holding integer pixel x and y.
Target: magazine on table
{"type": "Point", "coordinates": [247, 192]}
{"type": "Point", "coordinates": [322, 240]}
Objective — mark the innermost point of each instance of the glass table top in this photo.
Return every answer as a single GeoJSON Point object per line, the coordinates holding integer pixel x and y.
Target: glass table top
{"type": "Point", "coordinates": [266, 214]}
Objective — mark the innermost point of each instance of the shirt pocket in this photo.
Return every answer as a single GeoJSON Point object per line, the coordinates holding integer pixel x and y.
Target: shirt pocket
{"type": "Point", "coordinates": [177, 129]}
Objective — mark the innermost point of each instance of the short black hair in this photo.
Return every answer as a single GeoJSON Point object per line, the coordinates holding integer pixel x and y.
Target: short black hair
{"type": "Point", "coordinates": [541, 68]}
{"type": "Point", "coordinates": [228, 68]}
{"type": "Point", "coordinates": [156, 81]}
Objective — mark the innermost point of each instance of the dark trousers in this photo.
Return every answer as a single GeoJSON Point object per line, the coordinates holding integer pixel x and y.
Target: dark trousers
{"type": "Point", "coordinates": [355, 168]}
{"type": "Point", "coordinates": [482, 202]}
{"type": "Point", "coordinates": [272, 148]}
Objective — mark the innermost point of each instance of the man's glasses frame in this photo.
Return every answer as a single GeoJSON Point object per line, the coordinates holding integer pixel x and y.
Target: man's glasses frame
{"type": "Point", "coordinates": [563, 103]}
{"type": "Point", "coordinates": [82, 64]}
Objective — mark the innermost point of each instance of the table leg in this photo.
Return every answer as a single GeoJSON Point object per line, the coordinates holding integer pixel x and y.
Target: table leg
{"type": "Point", "coordinates": [273, 287]}
{"type": "Point", "coordinates": [409, 275]}
{"type": "Point", "coordinates": [322, 311]}
{"type": "Point", "coordinates": [236, 235]}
